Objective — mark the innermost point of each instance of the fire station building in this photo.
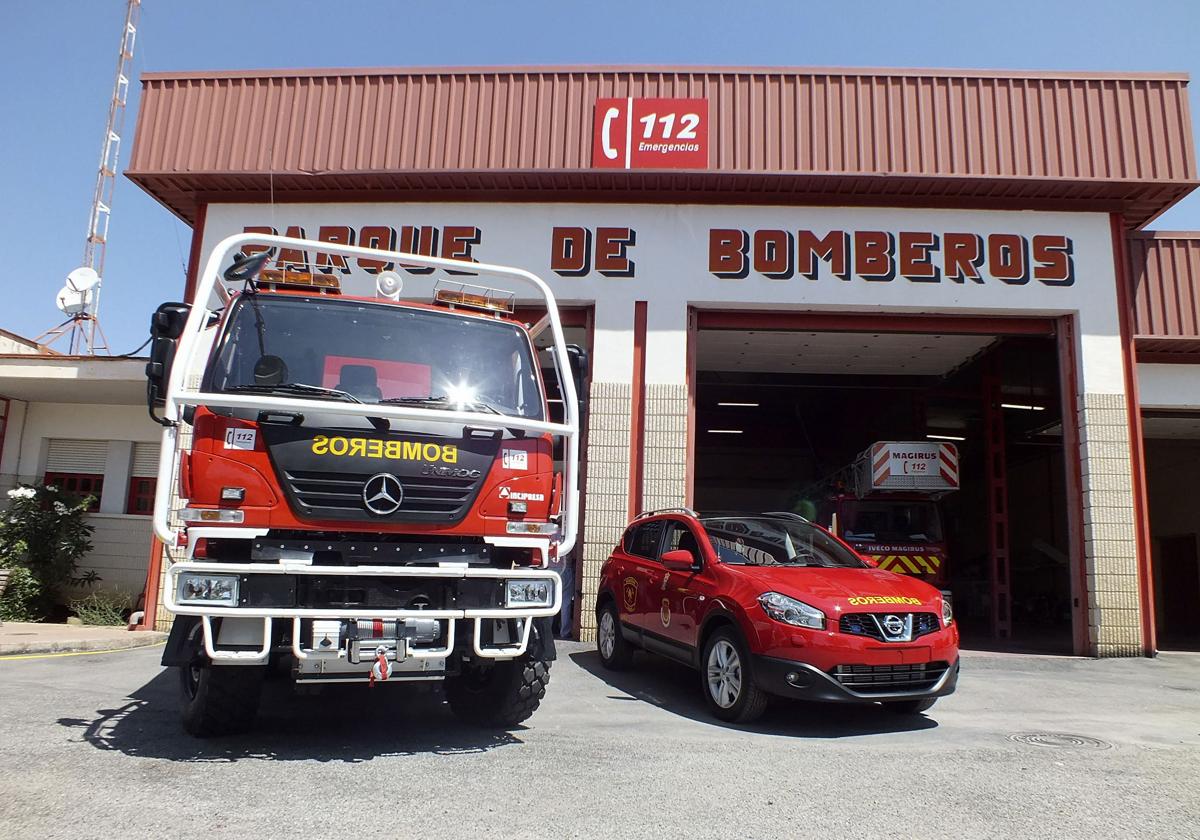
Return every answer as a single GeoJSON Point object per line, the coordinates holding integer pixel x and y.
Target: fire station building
{"type": "Point", "coordinates": [772, 269]}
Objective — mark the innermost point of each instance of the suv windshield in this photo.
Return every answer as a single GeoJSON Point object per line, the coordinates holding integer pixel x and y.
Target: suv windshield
{"type": "Point", "coordinates": [891, 520]}
{"type": "Point", "coordinates": [338, 349]}
{"type": "Point", "coordinates": [770, 541]}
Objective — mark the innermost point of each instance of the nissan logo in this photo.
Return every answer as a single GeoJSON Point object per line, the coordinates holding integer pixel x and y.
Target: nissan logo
{"type": "Point", "coordinates": [382, 494]}
{"type": "Point", "coordinates": [893, 625]}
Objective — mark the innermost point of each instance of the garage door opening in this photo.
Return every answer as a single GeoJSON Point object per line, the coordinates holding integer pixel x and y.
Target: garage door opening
{"type": "Point", "coordinates": [780, 414]}
{"type": "Point", "coordinates": [1172, 446]}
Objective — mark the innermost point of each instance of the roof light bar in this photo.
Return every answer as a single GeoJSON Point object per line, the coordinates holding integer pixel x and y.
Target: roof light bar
{"type": "Point", "coordinates": [474, 297]}
{"type": "Point", "coordinates": [289, 277]}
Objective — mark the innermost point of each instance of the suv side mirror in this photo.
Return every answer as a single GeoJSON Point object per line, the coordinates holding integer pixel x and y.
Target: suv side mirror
{"type": "Point", "coordinates": [166, 325]}
{"type": "Point", "coordinates": [679, 560]}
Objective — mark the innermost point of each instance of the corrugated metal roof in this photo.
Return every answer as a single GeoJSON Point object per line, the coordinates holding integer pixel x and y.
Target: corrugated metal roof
{"type": "Point", "coordinates": [1095, 141]}
{"type": "Point", "coordinates": [1164, 268]}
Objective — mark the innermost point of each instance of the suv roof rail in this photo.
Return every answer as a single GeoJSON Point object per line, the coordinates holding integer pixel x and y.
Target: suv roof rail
{"type": "Point", "coordinates": [789, 514]}
{"type": "Point", "coordinates": [646, 513]}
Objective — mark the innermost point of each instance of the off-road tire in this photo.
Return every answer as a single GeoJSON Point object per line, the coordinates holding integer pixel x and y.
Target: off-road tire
{"type": "Point", "coordinates": [500, 695]}
{"type": "Point", "coordinates": [910, 707]}
{"type": "Point", "coordinates": [217, 699]}
{"type": "Point", "coordinates": [621, 654]}
{"type": "Point", "coordinates": [751, 700]}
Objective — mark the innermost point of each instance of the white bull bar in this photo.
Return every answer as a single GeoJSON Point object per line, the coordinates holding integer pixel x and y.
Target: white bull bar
{"type": "Point", "coordinates": [207, 612]}
{"type": "Point", "coordinates": [180, 395]}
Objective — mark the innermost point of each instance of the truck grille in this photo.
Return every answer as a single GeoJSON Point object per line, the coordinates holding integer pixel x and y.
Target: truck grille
{"type": "Point", "coordinates": [861, 624]}
{"type": "Point", "coordinates": [321, 492]}
{"type": "Point", "coordinates": [867, 679]}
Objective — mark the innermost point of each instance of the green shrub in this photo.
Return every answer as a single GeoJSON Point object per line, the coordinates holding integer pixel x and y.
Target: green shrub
{"type": "Point", "coordinates": [23, 598]}
{"type": "Point", "coordinates": [44, 531]}
{"type": "Point", "coordinates": [104, 609]}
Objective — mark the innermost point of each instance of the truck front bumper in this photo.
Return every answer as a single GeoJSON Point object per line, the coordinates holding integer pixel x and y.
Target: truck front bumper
{"type": "Point", "coordinates": [252, 613]}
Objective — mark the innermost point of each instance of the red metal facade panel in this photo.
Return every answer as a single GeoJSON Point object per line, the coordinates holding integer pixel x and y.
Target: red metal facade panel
{"type": "Point", "coordinates": [1164, 271]}
{"type": "Point", "coordinates": [375, 129]}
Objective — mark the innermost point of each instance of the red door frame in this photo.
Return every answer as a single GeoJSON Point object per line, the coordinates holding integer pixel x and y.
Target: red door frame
{"type": "Point", "coordinates": [1137, 454]}
{"type": "Point", "coordinates": [1063, 329]}
{"type": "Point", "coordinates": [637, 425]}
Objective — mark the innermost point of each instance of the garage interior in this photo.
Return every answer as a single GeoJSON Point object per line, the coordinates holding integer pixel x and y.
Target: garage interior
{"type": "Point", "coordinates": [779, 410]}
{"type": "Point", "coordinates": [1172, 447]}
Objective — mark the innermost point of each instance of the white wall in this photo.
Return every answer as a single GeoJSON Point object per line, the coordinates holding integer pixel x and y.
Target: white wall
{"type": "Point", "coordinates": [1169, 386]}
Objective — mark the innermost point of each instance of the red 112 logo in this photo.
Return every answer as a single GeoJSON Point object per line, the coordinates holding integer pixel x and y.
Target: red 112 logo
{"type": "Point", "coordinates": [650, 134]}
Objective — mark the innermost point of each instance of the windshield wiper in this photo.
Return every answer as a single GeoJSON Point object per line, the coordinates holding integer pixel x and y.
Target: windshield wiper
{"type": "Point", "coordinates": [442, 402]}
{"type": "Point", "coordinates": [379, 423]}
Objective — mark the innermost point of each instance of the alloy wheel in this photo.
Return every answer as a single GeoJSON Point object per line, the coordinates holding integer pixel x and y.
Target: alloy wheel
{"type": "Point", "coordinates": [724, 674]}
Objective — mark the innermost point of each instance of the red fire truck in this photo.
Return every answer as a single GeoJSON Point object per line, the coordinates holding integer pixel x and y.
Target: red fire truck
{"type": "Point", "coordinates": [885, 505]}
{"type": "Point", "coordinates": [365, 487]}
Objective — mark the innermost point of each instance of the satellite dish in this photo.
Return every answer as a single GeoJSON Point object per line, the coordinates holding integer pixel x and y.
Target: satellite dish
{"type": "Point", "coordinates": [83, 279]}
{"type": "Point", "coordinates": [389, 284]}
{"type": "Point", "coordinates": [72, 302]}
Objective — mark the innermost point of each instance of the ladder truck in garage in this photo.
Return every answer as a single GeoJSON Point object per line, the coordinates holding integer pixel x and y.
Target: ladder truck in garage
{"type": "Point", "coordinates": [360, 489]}
{"type": "Point", "coordinates": [885, 504]}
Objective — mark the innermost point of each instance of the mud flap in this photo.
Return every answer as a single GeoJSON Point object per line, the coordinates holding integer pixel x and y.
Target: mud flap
{"type": "Point", "coordinates": [176, 651]}
{"type": "Point", "coordinates": [541, 642]}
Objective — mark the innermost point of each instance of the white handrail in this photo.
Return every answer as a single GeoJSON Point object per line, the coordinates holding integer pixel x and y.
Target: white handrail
{"type": "Point", "coordinates": [179, 395]}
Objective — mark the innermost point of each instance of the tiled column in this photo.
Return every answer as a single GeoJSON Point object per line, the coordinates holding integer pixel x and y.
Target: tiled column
{"type": "Point", "coordinates": [666, 450]}
{"type": "Point", "coordinates": [1110, 555]}
{"type": "Point", "coordinates": [606, 491]}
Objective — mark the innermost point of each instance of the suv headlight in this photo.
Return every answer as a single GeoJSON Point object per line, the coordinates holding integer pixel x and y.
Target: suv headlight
{"type": "Point", "coordinates": [529, 592]}
{"type": "Point", "coordinates": [790, 611]}
{"type": "Point", "coordinates": [947, 612]}
{"type": "Point", "coordinates": [200, 588]}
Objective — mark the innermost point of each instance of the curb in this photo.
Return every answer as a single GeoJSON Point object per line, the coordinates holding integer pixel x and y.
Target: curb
{"type": "Point", "coordinates": [136, 639]}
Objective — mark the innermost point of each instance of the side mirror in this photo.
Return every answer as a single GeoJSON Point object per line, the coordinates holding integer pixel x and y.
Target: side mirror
{"type": "Point", "coordinates": [679, 560]}
{"type": "Point", "coordinates": [166, 325]}
{"type": "Point", "coordinates": [870, 561]}
{"type": "Point", "coordinates": [577, 360]}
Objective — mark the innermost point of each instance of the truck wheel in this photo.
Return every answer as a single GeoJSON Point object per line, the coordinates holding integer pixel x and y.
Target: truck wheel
{"type": "Point", "coordinates": [218, 699]}
{"type": "Point", "coordinates": [615, 652]}
{"type": "Point", "coordinates": [910, 707]}
{"type": "Point", "coordinates": [499, 694]}
{"type": "Point", "coordinates": [728, 686]}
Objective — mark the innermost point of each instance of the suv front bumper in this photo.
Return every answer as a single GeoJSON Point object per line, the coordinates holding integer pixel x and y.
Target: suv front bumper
{"type": "Point", "coordinates": [853, 684]}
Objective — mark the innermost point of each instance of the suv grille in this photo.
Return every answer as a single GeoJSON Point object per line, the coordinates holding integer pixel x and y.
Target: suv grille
{"type": "Point", "coordinates": [861, 624]}
{"type": "Point", "coordinates": [866, 679]}
{"type": "Point", "coordinates": [324, 491]}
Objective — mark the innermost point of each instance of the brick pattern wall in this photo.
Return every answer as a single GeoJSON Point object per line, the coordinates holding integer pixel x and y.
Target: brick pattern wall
{"type": "Point", "coordinates": [607, 489]}
{"type": "Point", "coordinates": [665, 453]}
{"type": "Point", "coordinates": [1110, 555]}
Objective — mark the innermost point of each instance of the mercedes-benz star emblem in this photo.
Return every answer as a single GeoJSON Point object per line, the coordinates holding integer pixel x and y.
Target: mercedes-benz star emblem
{"type": "Point", "coordinates": [382, 494]}
{"type": "Point", "coordinates": [893, 625]}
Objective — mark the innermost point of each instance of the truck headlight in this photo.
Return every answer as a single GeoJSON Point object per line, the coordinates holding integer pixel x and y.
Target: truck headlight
{"type": "Point", "coordinates": [790, 611]}
{"type": "Point", "coordinates": [200, 588]}
{"type": "Point", "coordinates": [947, 612]}
{"type": "Point", "coordinates": [191, 514]}
{"type": "Point", "coordinates": [529, 592]}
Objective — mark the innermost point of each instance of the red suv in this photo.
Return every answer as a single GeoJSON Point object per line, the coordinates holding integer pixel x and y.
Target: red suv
{"type": "Point", "coordinates": [766, 604]}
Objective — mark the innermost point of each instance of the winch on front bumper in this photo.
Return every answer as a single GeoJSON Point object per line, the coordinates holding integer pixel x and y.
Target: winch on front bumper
{"type": "Point", "coordinates": [343, 621]}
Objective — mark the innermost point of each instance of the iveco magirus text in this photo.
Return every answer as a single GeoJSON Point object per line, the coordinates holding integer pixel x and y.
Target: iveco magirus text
{"type": "Point", "coordinates": [367, 486]}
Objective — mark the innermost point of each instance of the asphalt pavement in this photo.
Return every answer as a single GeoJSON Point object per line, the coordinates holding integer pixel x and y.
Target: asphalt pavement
{"type": "Point", "coordinates": [90, 747]}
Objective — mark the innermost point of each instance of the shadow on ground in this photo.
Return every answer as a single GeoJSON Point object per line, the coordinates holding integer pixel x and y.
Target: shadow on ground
{"type": "Point", "coordinates": [346, 723]}
{"type": "Point", "coordinates": [676, 688]}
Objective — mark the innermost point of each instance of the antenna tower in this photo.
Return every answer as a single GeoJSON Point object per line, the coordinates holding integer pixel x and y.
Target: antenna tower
{"type": "Point", "coordinates": [83, 326]}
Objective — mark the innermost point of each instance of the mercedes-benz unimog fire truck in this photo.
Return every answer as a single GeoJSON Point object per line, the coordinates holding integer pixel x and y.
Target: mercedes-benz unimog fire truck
{"type": "Point", "coordinates": [362, 489]}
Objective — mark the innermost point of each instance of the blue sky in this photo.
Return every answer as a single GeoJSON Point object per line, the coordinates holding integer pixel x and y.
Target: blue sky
{"type": "Point", "coordinates": [58, 69]}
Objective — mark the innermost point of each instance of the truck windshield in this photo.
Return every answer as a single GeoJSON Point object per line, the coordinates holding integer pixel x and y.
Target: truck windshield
{"type": "Point", "coordinates": [892, 519]}
{"type": "Point", "coordinates": [767, 541]}
{"type": "Point", "coordinates": [375, 353]}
